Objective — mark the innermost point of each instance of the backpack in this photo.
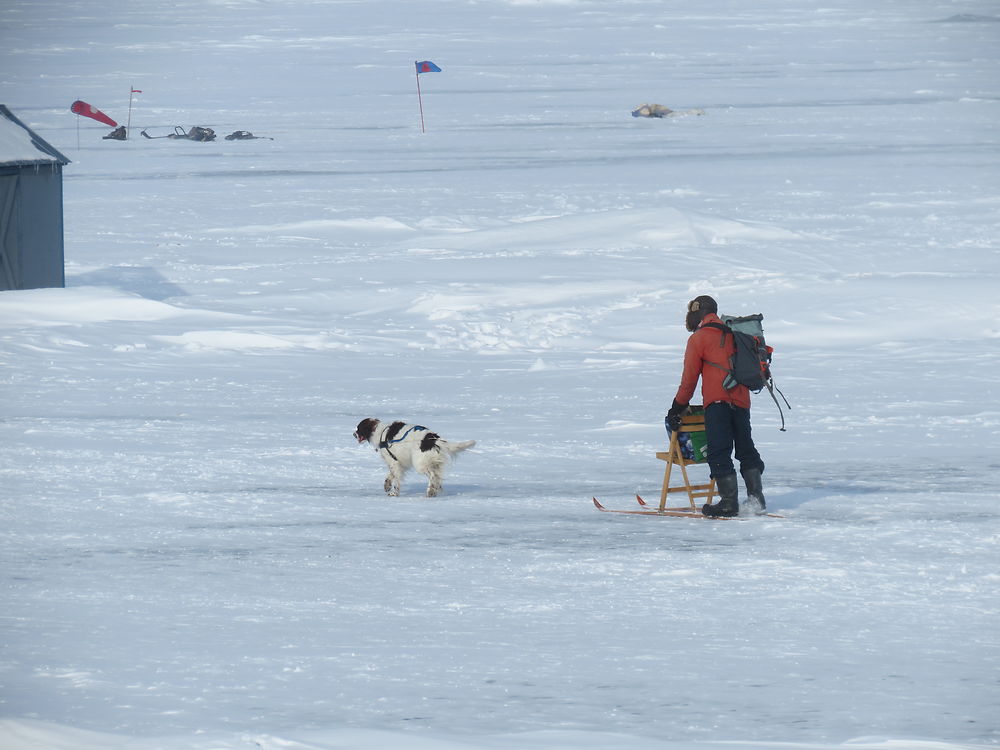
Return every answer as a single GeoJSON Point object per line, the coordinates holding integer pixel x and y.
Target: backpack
{"type": "Point", "coordinates": [750, 364]}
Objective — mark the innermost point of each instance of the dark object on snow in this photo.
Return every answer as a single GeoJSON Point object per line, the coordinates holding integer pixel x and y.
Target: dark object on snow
{"type": "Point", "coordinates": [201, 134]}
{"type": "Point", "coordinates": [196, 133]}
{"type": "Point", "coordinates": [659, 111]}
{"type": "Point", "coordinates": [651, 110]}
{"type": "Point", "coordinates": [246, 135]}
{"type": "Point", "coordinates": [118, 134]}
{"type": "Point", "coordinates": [31, 208]}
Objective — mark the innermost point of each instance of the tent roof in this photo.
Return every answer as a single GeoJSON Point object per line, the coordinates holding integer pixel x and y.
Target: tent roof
{"type": "Point", "coordinates": [19, 144]}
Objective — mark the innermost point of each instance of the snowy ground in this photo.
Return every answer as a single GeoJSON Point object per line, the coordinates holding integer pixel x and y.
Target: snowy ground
{"type": "Point", "coordinates": [195, 553]}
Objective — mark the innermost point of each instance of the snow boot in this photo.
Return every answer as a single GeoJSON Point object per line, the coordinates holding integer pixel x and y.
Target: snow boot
{"type": "Point", "coordinates": [729, 503]}
{"type": "Point", "coordinates": [755, 491]}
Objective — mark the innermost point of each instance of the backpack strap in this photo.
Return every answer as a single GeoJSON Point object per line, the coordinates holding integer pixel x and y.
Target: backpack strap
{"type": "Point", "coordinates": [722, 342]}
{"type": "Point", "coordinates": [724, 328]}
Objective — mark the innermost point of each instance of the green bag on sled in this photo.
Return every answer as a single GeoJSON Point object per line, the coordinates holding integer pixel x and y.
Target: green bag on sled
{"type": "Point", "coordinates": [694, 445]}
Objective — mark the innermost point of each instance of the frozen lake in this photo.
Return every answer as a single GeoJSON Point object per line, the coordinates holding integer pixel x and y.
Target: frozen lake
{"type": "Point", "coordinates": [197, 554]}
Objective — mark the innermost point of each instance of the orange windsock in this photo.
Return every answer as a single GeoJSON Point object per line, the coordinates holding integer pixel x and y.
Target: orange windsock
{"type": "Point", "coordinates": [89, 110]}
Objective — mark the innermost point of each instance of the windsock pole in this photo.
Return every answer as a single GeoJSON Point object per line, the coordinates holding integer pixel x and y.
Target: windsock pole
{"type": "Point", "coordinates": [128, 125]}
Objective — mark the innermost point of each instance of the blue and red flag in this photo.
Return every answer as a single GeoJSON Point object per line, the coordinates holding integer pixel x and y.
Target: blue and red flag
{"type": "Point", "coordinates": [426, 66]}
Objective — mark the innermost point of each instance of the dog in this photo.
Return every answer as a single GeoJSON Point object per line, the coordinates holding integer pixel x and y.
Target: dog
{"type": "Point", "coordinates": [409, 446]}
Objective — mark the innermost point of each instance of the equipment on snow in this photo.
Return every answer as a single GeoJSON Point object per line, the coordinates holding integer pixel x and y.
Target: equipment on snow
{"type": "Point", "coordinates": [648, 510]}
{"type": "Point", "coordinates": [246, 135]}
{"type": "Point", "coordinates": [750, 365]}
{"type": "Point", "coordinates": [651, 110]}
{"type": "Point", "coordinates": [692, 444]}
{"type": "Point", "coordinates": [118, 134]}
{"type": "Point", "coordinates": [658, 111]}
{"type": "Point", "coordinates": [197, 133]}
{"type": "Point", "coordinates": [669, 513]}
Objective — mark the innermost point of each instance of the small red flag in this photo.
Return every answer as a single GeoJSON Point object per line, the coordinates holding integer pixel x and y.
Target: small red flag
{"type": "Point", "coordinates": [136, 91]}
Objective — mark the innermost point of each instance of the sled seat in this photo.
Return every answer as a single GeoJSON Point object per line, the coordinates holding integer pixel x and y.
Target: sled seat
{"type": "Point", "coordinates": [691, 423]}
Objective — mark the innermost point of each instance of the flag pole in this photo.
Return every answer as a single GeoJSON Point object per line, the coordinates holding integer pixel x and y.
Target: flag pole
{"type": "Point", "coordinates": [131, 93]}
{"type": "Point", "coordinates": [420, 98]}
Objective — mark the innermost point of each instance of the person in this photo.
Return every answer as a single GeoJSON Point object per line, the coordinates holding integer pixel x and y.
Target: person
{"type": "Point", "coordinates": [727, 412]}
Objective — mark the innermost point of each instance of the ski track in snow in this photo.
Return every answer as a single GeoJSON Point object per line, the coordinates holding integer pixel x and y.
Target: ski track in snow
{"type": "Point", "coordinates": [195, 552]}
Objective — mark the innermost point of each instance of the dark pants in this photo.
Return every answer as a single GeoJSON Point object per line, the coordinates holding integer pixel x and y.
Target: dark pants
{"type": "Point", "coordinates": [728, 427]}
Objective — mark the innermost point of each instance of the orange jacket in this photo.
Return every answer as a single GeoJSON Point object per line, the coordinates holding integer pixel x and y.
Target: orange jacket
{"type": "Point", "coordinates": [710, 345]}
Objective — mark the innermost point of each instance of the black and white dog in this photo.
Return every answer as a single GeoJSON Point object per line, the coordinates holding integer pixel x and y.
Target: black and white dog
{"type": "Point", "coordinates": [404, 446]}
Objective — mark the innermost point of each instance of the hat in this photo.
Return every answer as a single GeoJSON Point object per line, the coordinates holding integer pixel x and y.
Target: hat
{"type": "Point", "coordinates": [703, 304]}
{"type": "Point", "coordinates": [698, 308]}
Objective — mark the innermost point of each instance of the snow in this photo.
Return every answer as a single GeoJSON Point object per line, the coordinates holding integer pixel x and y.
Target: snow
{"type": "Point", "coordinates": [195, 552]}
{"type": "Point", "coordinates": [16, 146]}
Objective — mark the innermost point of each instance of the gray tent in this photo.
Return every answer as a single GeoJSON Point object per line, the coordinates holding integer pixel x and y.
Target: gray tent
{"type": "Point", "coordinates": [31, 208]}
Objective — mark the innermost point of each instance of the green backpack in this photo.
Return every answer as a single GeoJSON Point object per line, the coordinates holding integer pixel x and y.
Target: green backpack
{"type": "Point", "coordinates": [750, 364]}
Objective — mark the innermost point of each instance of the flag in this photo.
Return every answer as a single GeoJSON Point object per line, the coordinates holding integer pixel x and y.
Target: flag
{"type": "Point", "coordinates": [426, 66]}
{"type": "Point", "coordinates": [136, 91]}
{"type": "Point", "coordinates": [89, 110]}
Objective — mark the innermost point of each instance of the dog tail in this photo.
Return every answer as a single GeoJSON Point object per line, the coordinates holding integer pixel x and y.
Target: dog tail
{"type": "Point", "coordinates": [452, 448]}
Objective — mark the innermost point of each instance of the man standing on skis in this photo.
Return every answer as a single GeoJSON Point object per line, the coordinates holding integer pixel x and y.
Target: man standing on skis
{"type": "Point", "coordinates": [727, 412]}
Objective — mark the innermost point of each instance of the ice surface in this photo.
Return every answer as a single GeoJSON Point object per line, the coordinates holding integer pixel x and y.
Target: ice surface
{"type": "Point", "coordinates": [196, 553]}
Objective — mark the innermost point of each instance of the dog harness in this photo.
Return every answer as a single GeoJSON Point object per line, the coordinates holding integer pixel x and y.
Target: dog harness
{"type": "Point", "coordinates": [384, 444]}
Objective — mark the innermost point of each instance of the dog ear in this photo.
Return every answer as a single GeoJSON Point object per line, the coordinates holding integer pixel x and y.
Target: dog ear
{"type": "Point", "coordinates": [365, 428]}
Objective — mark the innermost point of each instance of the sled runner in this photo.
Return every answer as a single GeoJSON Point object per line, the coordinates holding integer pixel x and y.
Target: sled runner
{"type": "Point", "coordinates": [648, 510]}
{"type": "Point", "coordinates": [645, 509]}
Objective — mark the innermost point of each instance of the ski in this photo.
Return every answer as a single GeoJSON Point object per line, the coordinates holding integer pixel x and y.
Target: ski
{"type": "Point", "coordinates": [649, 510]}
{"type": "Point", "coordinates": [644, 504]}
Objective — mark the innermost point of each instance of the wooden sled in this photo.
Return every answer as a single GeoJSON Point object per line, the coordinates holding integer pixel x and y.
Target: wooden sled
{"type": "Point", "coordinates": [692, 422]}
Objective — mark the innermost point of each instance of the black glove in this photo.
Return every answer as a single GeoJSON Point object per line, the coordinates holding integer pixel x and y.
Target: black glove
{"type": "Point", "coordinates": [674, 415]}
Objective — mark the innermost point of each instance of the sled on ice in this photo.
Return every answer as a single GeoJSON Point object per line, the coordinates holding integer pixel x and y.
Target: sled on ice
{"type": "Point", "coordinates": [197, 133]}
{"type": "Point", "coordinates": [687, 447]}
